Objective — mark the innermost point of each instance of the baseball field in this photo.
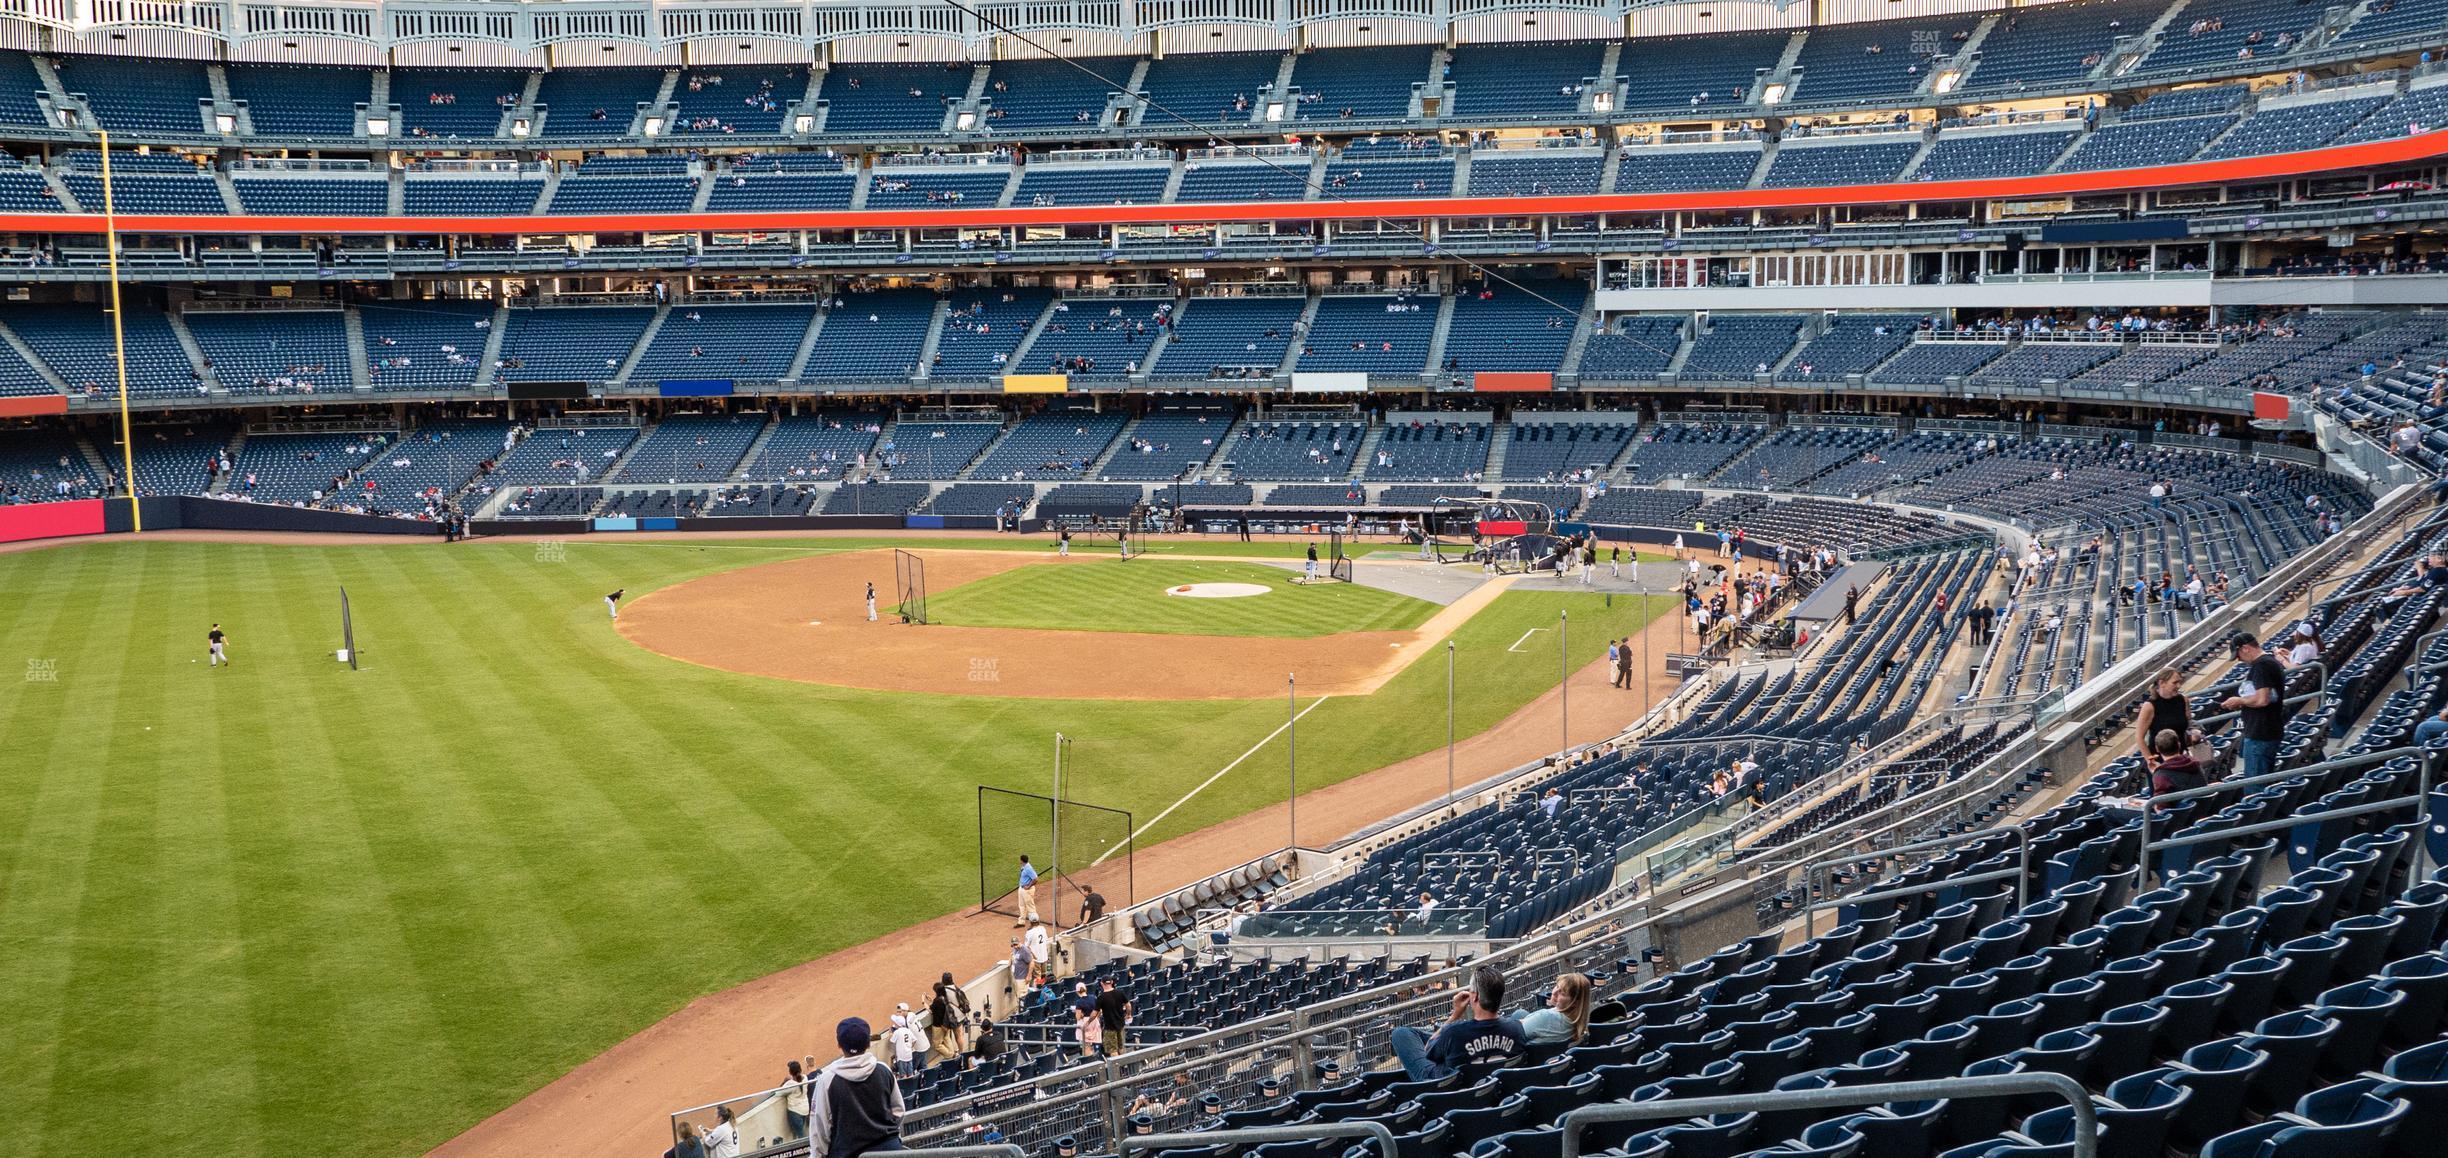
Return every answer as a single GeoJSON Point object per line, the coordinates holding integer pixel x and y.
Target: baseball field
{"type": "Point", "coordinates": [287, 906]}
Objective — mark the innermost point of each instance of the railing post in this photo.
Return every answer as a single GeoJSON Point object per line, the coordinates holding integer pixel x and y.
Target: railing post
{"type": "Point", "coordinates": [1304, 1055]}
{"type": "Point", "coordinates": [1110, 1104]}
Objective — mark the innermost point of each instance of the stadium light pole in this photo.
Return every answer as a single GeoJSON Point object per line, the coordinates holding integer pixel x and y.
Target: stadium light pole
{"type": "Point", "coordinates": [1564, 685]}
{"type": "Point", "coordinates": [1055, 869]}
{"type": "Point", "coordinates": [1292, 761]}
{"type": "Point", "coordinates": [1449, 725]}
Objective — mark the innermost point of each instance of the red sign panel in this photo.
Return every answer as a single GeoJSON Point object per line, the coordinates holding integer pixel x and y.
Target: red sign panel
{"type": "Point", "coordinates": [50, 520]}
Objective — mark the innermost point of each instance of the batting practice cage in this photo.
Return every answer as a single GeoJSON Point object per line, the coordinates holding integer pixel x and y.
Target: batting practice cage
{"type": "Point", "coordinates": [1127, 535]}
{"type": "Point", "coordinates": [909, 585]}
{"type": "Point", "coordinates": [1338, 564]}
{"type": "Point", "coordinates": [1505, 535]}
{"type": "Point", "coordinates": [1096, 852]}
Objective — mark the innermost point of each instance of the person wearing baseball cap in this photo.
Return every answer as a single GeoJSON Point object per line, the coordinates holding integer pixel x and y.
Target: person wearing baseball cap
{"type": "Point", "coordinates": [856, 1106]}
{"type": "Point", "coordinates": [2259, 704]}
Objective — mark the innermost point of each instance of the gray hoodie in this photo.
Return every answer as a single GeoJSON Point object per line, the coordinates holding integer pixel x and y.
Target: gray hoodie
{"type": "Point", "coordinates": [855, 1106]}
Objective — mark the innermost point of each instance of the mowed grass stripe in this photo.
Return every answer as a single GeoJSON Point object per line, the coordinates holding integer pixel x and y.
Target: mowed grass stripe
{"type": "Point", "coordinates": [477, 907]}
{"type": "Point", "coordinates": [1113, 595]}
{"type": "Point", "coordinates": [47, 964]}
{"type": "Point", "coordinates": [346, 883]}
{"type": "Point", "coordinates": [509, 842]}
{"type": "Point", "coordinates": [205, 998]}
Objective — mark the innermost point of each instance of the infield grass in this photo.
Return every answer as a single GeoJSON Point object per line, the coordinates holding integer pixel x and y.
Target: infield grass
{"type": "Point", "coordinates": [1112, 595]}
{"type": "Point", "coordinates": [286, 907]}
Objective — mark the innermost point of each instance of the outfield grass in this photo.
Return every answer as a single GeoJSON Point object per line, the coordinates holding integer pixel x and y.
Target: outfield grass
{"type": "Point", "coordinates": [287, 907]}
{"type": "Point", "coordinates": [1112, 595]}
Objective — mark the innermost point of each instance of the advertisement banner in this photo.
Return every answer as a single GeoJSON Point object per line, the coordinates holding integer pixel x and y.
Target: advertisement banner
{"type": "Point", "coordinates": [1512, 382]}
{"type": "Point", "coordinates": [1346, 382]}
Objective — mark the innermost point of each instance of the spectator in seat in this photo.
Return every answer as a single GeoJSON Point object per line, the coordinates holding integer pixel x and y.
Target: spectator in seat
{"type": "Point", "coordinates": [1564, 1020]}
{"type": "Point", "coordinates": [2176, 770]}
{"type": "Point", "coordinates": [856, 1105]}
{"type": "Point", "coordinates": [2430, 731]}
{"type": "Point", "coordinates": [1478, 1035]}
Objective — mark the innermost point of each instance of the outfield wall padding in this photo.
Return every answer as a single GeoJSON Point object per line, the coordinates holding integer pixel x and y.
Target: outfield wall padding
{"type": "Point", "coordinates": [200, 514]}
{"type": "Point", "coordinates": [531, 526]}
{"type": "Point", "coordinates": [19, 524]}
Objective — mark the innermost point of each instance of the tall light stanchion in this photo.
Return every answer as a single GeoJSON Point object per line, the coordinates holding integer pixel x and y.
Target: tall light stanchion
{"type": "Point", "coordinates": [1054, 894]}
{"type": "Point", "coordinates": [1292, 763]}
{"type": "Point", "coordinates": [1449, 725]}
{"type": "Point", "coordinates": [110, 243]}
{"type": "Point", "coordinates": [1564, 685]}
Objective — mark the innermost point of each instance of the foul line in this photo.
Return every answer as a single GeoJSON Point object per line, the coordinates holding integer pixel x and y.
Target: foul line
{"type": "Point", "coordinates": [1203, 784]}
{"type": "Point", "coordinates": [1525, 638]}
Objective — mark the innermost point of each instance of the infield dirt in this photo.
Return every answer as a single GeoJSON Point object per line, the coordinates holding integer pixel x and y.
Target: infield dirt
{"type": "Point", "coordinates": [805, 619]}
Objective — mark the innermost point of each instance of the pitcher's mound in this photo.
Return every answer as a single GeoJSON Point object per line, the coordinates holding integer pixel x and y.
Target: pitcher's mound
{"type": "Point", "coordinates": [1217, 590]}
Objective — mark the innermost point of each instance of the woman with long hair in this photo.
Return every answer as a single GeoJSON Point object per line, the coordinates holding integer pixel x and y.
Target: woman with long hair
{"type": "Point", "coordinates": [1565, 1018]}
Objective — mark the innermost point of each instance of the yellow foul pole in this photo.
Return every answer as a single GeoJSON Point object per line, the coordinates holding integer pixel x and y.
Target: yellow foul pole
{"type": "Point", "coordinates": [127, 439]}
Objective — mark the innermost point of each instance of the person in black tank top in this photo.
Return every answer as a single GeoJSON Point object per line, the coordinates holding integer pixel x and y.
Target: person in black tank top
{"type": "Point", "coordinates": [2164, 710]}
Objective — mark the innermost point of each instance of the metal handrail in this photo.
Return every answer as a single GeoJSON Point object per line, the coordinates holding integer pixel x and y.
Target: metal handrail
{"type": "Point", "coordinates": [2389, 805]}
{"type": "Point", "coordinates": [2358, 760]}
{"type": "Point", "coordinates": [2424, 760]}
{"type": "Point", "coordinates": [1910, 891]}
{"type": "Point", "coordinates": [2022, 871]}
{"type": "Point", "coordinates": [1377, 1132]}
{"type": "Point", "coordinates": [2086, 1117]}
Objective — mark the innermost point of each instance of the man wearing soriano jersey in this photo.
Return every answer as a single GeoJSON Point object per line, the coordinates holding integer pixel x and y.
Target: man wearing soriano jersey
{"type": "Point", "coordinates": [1478, 1036]}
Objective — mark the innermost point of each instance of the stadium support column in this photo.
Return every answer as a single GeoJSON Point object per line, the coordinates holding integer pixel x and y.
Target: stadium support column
{"type": "Point", "coordinates": [1449, 725]}
{"type": "Point", "coordinates": [1564, 685]}
{"type": "Point", "coordinates": [110, 242]}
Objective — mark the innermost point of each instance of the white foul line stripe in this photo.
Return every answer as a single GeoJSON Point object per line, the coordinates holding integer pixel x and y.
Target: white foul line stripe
{"type": "Point", "coordinates": [1219, 775]}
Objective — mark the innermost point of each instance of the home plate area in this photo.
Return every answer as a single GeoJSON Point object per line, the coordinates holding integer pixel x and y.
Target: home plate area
{"type": "Point", "coordinates": [1217, 590]}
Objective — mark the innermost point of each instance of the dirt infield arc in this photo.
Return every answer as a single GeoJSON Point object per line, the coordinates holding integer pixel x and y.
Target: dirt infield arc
{"type": "Point", "coordinates": [805, 619]}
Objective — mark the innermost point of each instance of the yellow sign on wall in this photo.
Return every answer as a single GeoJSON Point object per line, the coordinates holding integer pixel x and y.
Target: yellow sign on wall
{"type": "Point", "coordinates": [1036, 383]}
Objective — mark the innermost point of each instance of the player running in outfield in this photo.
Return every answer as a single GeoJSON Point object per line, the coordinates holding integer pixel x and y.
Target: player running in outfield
{"type": "Point", "coordinates": [219, 641]}
{"type": "Point", "coordinates": [612, 602]}
{"type": "Point", "coordinates": [871, 615]}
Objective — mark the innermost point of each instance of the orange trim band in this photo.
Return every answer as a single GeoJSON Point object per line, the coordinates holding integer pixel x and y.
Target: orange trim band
{"type": "Point", "coordinates": [2336, 158]}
